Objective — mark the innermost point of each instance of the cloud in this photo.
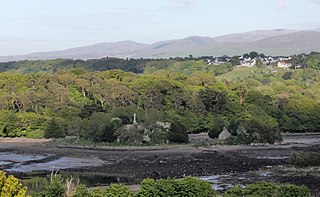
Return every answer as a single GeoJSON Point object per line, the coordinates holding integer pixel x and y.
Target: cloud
{"type": "Point", "coordinates": [281, 4]}
{"type": "Point", "coordinates": [185, 2]}
{"type": "Point", "coordinates": [315, 1]}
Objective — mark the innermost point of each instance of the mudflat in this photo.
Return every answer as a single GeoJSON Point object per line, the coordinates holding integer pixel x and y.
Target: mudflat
{"type": "Point", "coordinates": [173, 161]}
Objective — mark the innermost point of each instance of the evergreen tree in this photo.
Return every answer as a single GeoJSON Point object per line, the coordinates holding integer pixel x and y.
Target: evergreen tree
{"type": "Point", "coordinates": [54, 130]}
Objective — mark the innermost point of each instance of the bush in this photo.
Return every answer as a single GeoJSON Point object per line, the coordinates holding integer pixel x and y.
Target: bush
{"type": "Point", "coordinates": [118, 190]}
{"type": "Point", "coordinates": [11, 186]}
{"type": "Point", "coordinates": [54, 130]}
{"type": "Point", "coordinates": [289, 190]}
{"type": "Point", "coordinates": [55, 188]}
{"type": "Point", "coordinates": [97, 193]}
{"type": "Point", "coordinates": [234, 192]}
{"type": "Point", "coordinates": [268, 190]}
{"type": "Point", "coordinates": [261, 189]}
{"type": "Point", "coordinates": [130, 134]}
{"type": "Point", "coordinates": [178, 133]}
{"type": "Point", "coordinates": [108, 134]}
{"type": "Point", "coordinates": [216, 127]}
{"type": "Point", "coordinates": [186, 187]}
{"type": "Point", "coordinates": [37, 134]}
{"type": "Point", "coordinates": [81, 191]}
{"type": "Point", "coordinates": [305, 159]}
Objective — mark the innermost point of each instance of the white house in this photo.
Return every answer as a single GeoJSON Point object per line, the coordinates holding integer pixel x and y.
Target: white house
{"type": "Point", "coordinates": [283, 64]}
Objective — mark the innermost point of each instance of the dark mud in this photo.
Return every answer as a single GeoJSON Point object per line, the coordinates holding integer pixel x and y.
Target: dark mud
{"type": "Point", "coordinates": [132, 164]}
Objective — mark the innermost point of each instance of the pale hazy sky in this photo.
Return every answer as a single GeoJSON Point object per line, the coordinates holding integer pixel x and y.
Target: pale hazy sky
{"type": "Point", "coordinates": [43, 25]}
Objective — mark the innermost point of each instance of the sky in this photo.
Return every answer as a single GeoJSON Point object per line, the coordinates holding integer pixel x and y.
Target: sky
{"type": "Point", "coordinates": [28, 26]}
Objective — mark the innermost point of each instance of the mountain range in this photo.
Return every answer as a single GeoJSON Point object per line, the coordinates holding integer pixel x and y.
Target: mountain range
{"type": "Point", "coordinates": [269, 42]}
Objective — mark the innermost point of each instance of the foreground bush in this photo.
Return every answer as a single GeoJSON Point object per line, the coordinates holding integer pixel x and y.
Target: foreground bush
{"type": "Point", "coordinates": [11, 186]}
{"type": "Point", "coordinates": [189, 186]}
{"type": "Point", "coordinates": [268, 190]}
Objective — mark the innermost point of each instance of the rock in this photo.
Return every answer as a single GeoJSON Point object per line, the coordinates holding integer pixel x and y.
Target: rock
{"type": "Point", "coordinates": [146, 138]}
{"type": "Point", "coordinates": [163, 125]}
{"type": "Point", "coordinates": [224, 134]}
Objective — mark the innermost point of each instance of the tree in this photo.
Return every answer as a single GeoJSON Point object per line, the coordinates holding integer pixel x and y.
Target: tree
{"type": "Point", "coordinates": [74, 127]}
{"type": "Point", "coordinates": [54, 130]}
{"type": "Point", "coordinates": [9, 124]}
{"type": "Point", "coordinates": [88, 110]}
{"type": "Point", "coordinates": [216, 125]}
{"type": "Point", "coordinates": [56, 188]}
{"type": "Point", "coordinates": [178, 133]}
{"type": "Point", "coordinates": [253, 54]}
{"type": "Point", "coordinates": [95, 125]}
{"type": "Point", "coordinates": [213, 100]}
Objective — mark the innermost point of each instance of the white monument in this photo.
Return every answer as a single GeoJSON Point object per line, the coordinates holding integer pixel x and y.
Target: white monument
{"type": "Point", "coordinates": [134, 119]}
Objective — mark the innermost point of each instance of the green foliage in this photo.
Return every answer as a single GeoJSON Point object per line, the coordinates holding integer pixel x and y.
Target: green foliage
{"type": "Point", "coordinates": [126, 114]}
{"type": "Point", "coordinates": [131, 134]}
{"type": "Point", "coordinates": [54, 130]}
{"type": "Point", "coordinates": [168, 187]}
{"type": "Point", "coordinates": [261, 189]}
{"type": "Point", "coordinates": [260, 127]}
{"type": "Point", "coordinates": [11, 186]}
{"type": "Point", "coordinates": [32, 124]}
{"type": "Point", "coordinates": [88, 110]}
{"type": "Point", "coordinates": [9, 125]}
{"type": "Point", "coordinates": [264, 100]}
{"type": "Point", "coordinates": [266, 189]}
{"type": "Point", "coordinates": [289, 190]}
{"type": "Point", "coordinates": [37, 134]}
{"type": "Point", "coordinates": [178, 133]}
{"type": "Point", "coordinates": [235, 192]}
{"type": "Point", "coordinates": [81, 191]}
{"type": "Point", "coordinates": [117, 190]}
{"type": "Point", "coordinates": [97, 192]}
{"type": "Point", "coordinates": [304, 159]}
{"type": "Point", "coordinates": [55, 188]}
{"type": "Point", "coordinates": [216, 125]}
{"type": "Point", "coordinates": [96, 125]}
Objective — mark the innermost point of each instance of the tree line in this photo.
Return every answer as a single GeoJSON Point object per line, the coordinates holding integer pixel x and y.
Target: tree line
{"type": "Point", "coordinates": [193, 95]}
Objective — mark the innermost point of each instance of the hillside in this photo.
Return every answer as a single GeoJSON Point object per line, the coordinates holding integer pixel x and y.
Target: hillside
{"type": "Point", "coordinates": [273, 42]}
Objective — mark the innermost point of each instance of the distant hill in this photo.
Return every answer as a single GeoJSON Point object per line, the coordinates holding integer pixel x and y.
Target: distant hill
{"type": "Point", "coordinates": [273, 42]}
{"type": "Point", "coordinates": [253, 35]}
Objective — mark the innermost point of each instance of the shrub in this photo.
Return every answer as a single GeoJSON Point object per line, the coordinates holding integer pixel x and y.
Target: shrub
{"type": "Point", "coordinates": [130, 134]}
{"type": "Point", "coordinates": [55, 188]}
{"type": "Point", "coordinates": [97, 193]}
{"type": "Point", "coordinates": [268, 190]}
{"type": "Point", "coordinates": [261, 189]}
{"type": "Point", "coordinates": [54, 130]}
{"type": "Point", "coordinates": [37, 134]}
{"type": "Point", "coordinates": [216, 127]}
{"type": "Point", "coordinates": [118, 190]}
{"type": "Point", "coordinates": [289, 190]}
{"type": "Point", "coordinates": [192, 186]}
{"type": "Point", "coordinates": [178, 133]}
{"type": "Point", "coordinates": [234, 192]}
{"type": "Point", "coordinates": [11, 186]}
{"type": "Point", "coordinates": [81, 191]}
{"type": "Point", "coordinates": [186, 187]}
{"type": "Point", "coordinates": [305, 159]}
{"type": "Point", "coordinates": [108, 134]}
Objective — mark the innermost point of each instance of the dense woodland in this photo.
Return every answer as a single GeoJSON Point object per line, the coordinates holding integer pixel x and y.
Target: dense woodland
{"type": "Point", "coordinates": [95, 99]}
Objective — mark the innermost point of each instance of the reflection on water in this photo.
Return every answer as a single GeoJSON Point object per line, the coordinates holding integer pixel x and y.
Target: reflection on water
{"type": "Point", "coordinates": [36, 183]}
{"type": "Point", "coordinates": [13, 162]}
{"type": "Point", "coordinates": [61, 163]}
{"type": "Point", "coordinates": [223, 182]}
{"type": "Point", "coordinates": [18, 158]}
